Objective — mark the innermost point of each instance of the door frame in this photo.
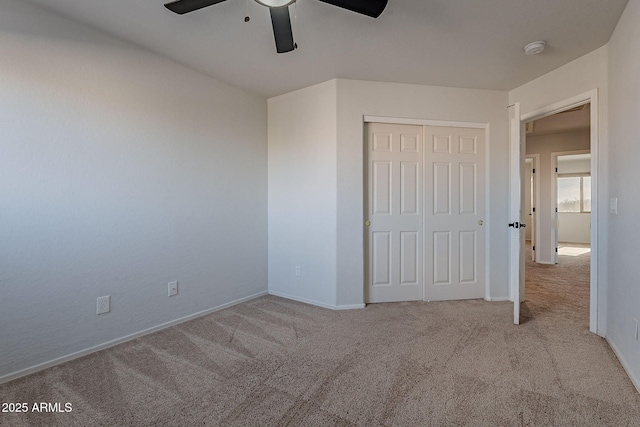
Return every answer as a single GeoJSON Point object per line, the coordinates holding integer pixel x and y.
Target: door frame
{"type": "Point", "coordinates": [446, 123]}
{"type": "Point", "coordinates": [590, 97]}
{"type": "Point", "coordinates": [535, 232]}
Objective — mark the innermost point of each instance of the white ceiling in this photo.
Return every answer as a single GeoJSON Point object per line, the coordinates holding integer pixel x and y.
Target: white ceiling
{"type": "Point", "coordinates": [459, 43]}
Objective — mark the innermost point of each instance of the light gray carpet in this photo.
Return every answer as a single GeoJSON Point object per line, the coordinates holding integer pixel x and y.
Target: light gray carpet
{"type": "Point", "coordinates": [272, 361]}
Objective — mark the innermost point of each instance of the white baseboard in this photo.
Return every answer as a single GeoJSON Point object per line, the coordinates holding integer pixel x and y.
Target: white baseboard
{"type": "Point", "coordinates": [350, 307]}
{"type": "Point", "coordinates": [317, 303]}
{"type": "Point", "coordinates": [75, 355]}
{"type": "Point", "coordinates": [635, 380]}
{"type": "Point", "coordinates": [496, 299]}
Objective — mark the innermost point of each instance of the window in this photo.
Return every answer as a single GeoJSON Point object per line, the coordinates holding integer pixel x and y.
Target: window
{"type": "Point", "coordinates": [574, 193]}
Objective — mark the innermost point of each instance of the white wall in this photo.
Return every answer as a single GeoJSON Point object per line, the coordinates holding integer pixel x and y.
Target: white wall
{"type": "Point", "coordinates": [302, 194]}
{"type": "Point", "coordinates": [544, 145]}
{"type": "Point", "coordinates": [574, 227]}
{"type": "Point", "coordinates": [581, 75]}
{"type": "Point", "coordinates": [574, 166]}
{"type": "Point", "coordinates": [575, 78]}
{"type": "Point", "coordinates": [624, 271]}
{"type": "Point", "coordinates": [359, 98]}
{"type": "Point", "coordinates": [119, 172]}
{"type": "Point", "coordinates": [316, 181]}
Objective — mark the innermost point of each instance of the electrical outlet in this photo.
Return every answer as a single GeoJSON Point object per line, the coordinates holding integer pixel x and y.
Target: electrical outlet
{"type": "Point", "coordinates": [104, 305]}
{"type": "Point", "coordinates": [173, 288]}
{"type": "Point", "coordinates": [298, 274]}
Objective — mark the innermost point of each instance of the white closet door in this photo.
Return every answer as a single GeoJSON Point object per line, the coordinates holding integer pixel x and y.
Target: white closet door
{"type": "Point", "coordinates": [394, 213]}
{"type": "Point", "coordinates": [454, 236]}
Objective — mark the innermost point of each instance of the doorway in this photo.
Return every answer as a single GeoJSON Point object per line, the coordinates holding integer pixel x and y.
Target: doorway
{"type": "Point", "coordinates": [545, 252]}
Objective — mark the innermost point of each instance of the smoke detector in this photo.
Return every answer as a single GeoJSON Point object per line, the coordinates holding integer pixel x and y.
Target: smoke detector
{"type": "Point", "coordinates": [534, 48]}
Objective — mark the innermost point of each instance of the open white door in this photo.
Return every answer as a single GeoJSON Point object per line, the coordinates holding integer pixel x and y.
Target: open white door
{"type": "Point", "coordinates": [516, 238]}
{"type": "Point", "coordinates": [556, 222]}
{"type": "Point", "coordinates": [523, 234]}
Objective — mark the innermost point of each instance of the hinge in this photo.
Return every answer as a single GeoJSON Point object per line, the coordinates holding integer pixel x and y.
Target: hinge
{"type": "Point", "coordinates": [534, 209]}
{"type": "Point", "coordinates": [556, 249]}
{"type": "Point", "coordinates": [533, 171]}
{"type": "Point", "coordinates": [533, 248]}
{"type": "Point", "coordinates": [556, 210]}
{"type": "Point", "coordinates": [556, 170]}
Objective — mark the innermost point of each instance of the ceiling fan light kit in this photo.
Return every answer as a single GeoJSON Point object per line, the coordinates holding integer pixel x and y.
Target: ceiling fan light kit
{"type": "Point", "coordinates": [275, 3]}
{"type": "Point", "coordinates": [280, 18]}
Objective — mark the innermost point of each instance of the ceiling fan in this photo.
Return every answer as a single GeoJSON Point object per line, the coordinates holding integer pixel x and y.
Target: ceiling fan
{"type": "Point", "coordinates": [280, 18]}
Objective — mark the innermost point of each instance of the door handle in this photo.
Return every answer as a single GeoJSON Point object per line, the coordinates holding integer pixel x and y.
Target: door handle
{"type": "Point", "coordinates": [523, 225]}
{"type": "Point", "coordinates": [367, 223]}
{"type": "Point", "coordinates": [515, 224]}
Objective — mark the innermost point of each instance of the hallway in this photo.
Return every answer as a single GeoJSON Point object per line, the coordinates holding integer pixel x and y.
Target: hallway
{"type": "Point", "coordinates": [560, 291]}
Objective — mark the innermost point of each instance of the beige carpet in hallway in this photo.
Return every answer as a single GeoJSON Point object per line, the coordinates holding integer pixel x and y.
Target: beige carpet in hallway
{"type": "Point", "coordinates": [559, 290]}
{"type": "Point", "coordinates": [275, 362]}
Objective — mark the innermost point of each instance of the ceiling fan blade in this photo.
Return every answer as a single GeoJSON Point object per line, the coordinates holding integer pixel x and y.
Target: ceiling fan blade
{"type": "Point", "coordinates": [184, 6]}
{"type": "Point", "coordinates": [282, 32]}
{"type": "Point", "coordinates": [372, 8]}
